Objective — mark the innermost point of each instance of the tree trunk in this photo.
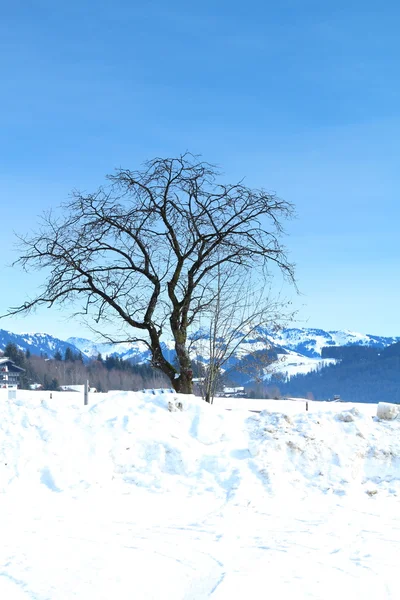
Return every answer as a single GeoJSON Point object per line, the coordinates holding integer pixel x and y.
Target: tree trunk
{"type": "Point", "coordinates": [184, 383]}
{"type": "Point", "coordinates": [209, 398]}
{"type": "Point", "coordinates": [211, 381]}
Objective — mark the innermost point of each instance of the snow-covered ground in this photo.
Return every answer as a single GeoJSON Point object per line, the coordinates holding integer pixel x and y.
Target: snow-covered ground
{"type": "Point", "coordinates": [123, 499]}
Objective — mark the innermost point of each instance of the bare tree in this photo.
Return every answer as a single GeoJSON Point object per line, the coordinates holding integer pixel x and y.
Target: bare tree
{"type": "Point", "coordinates": [143, 252]}
{"type": "Point", "coordinates": [241, 322]}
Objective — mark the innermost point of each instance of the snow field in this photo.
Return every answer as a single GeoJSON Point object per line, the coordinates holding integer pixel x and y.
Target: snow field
{"type": "Point", "coordinates": [130, 440]}
{"type": "Point", "coordinates": [125, 499]}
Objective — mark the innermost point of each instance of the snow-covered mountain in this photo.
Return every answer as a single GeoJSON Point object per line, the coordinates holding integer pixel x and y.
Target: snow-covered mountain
{"type": "Point", "coordinates": [299, 349]}
{"type": "Point", "coordinates": [310, 342]}
{"type": "Point", "coordinates": [135, 351]}
{"type": "Point", "coordinates": [36, 343]}
{"type": "Point", "coordinates": [124, 350]}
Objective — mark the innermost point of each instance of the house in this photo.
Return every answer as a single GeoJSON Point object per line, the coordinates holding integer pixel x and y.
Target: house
{"type": "Point", "coordinates": [9, 373]}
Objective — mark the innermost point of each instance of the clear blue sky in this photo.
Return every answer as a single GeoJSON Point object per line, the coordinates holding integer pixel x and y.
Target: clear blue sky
{"type": "Point", "coordinates": [302, 98]}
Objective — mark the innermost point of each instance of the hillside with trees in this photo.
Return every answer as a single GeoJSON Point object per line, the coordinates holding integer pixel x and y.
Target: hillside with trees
{"type": "Point", "coordinates": [111, 373]}
{"type": "Point", "coordinates": [361, 374]}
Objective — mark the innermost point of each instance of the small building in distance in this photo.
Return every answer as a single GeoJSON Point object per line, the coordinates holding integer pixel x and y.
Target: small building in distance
{"type": "Point", "coordinates": [10, 373]}
{"type": "Point", "coordinates": [234, 392]}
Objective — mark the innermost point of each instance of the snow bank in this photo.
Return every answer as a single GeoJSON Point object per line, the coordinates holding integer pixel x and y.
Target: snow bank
{"type": "Point", "coordinates": [124, 440]}
{"type": "Point", "coordinates": [130, 441]}
{"type": "Point", "coordinates": [387, 412]}
{"type": "Point", "coordinates": [341, 453]}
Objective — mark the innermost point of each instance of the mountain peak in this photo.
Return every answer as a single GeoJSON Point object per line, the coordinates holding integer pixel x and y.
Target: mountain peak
{"type": "Point", "coordinates": [306, 342]}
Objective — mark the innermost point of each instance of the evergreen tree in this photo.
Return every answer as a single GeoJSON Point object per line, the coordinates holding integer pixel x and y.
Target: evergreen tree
{"type": "Point", "coordinates": [12, 352]}
{"type": "Point", "coordinates": [69, 355]}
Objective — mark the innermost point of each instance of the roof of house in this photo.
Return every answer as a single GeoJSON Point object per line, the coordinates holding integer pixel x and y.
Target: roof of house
{"type": "Point", "coordinates": [4, 360]}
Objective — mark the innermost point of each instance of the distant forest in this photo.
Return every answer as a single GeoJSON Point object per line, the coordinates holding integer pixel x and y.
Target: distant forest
{"type": "Point", "coordinates": [363, 374]}
{"type": "Point", "coordinates": [110, 373]}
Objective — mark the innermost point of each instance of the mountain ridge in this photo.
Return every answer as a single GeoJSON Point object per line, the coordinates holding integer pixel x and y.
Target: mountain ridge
{"type": "Point", "coordinates": [310, 341]}
{"type": "Point", "coordinates": [304, 341]}
{"type": "Point", "coordinates": [36, 343]}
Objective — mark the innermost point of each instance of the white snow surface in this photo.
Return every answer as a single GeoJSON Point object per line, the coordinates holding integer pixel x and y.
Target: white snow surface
{"type": "Point", "coordinates": [124, 499]}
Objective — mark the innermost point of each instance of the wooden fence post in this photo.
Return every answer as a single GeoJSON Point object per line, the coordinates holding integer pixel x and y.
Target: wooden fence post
{"type": "Point", "coordinates": [86, 393]}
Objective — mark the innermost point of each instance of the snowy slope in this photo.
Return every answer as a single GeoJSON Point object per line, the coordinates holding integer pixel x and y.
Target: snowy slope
{"type": "Point", "coordinates": [36, 343]}
{"type": "Point", "coordinates": [293, 363]}
{"type": "Point", "coordinates": [307, 342]}
{"type": "Point", "coordinates": [123, 350]}
{"type": "Point", "coordinates": [124, 499]}
{"type": "Point", "coordinates": [135, 351]}
{"type": "Point", "coordinates": [310, 342]}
